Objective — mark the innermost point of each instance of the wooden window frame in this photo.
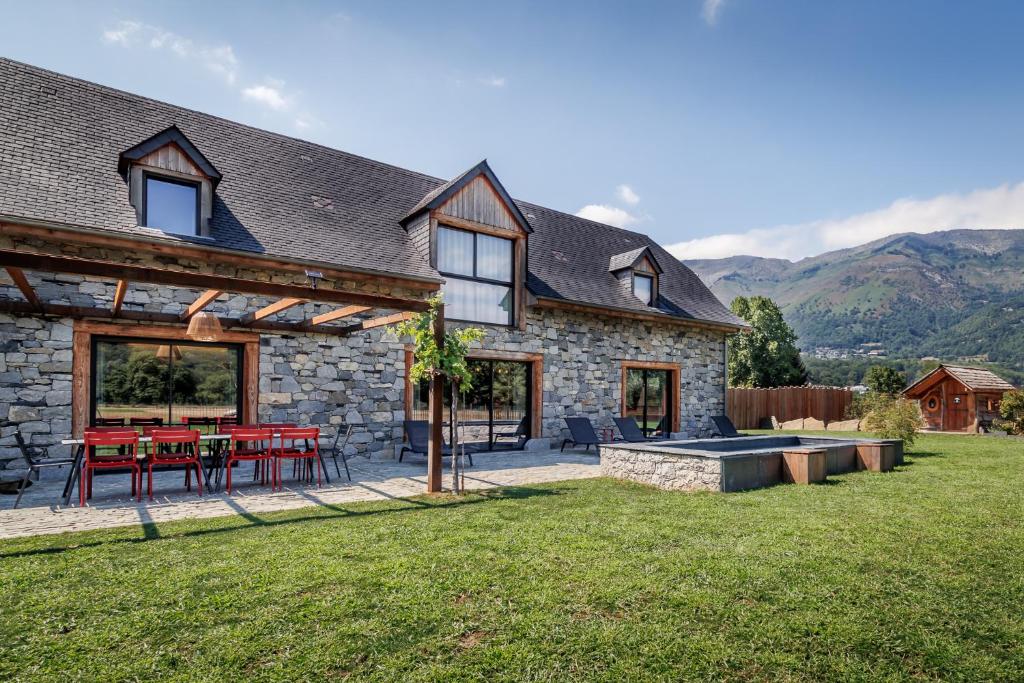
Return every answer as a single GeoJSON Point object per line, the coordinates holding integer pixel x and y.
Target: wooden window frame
{"type": "Point", "coordinates": [675, 385]}
{"type": "Point", "coordinates": [81, 363]}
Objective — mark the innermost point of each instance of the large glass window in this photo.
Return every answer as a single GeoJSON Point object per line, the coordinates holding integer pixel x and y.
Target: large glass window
{"type": "Point", "coordinates": [494, 413]}
{"type": "Point", "coordinates": [171, 205]}
{"type": "Point", "coordinates": [478, 272]}
{"type": "Point", "coordinates": [167, 381]}
{"type": "Point", "coordinates": [648, 399]}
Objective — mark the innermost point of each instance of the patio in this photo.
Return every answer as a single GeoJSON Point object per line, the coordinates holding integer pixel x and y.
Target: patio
{"type": "Point", "coordinates": [40, 511]}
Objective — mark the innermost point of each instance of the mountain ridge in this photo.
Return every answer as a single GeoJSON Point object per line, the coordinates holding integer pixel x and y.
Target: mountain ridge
{"type": "Point", "coordinates": [949, 294]}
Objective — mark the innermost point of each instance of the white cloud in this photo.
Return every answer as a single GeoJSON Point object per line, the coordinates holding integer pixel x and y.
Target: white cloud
{"type": "Point", "coordinates": [269, 94]}
{"type": "Point", "coordinates": [612, 215]}
{"type": "Point", "coordinates": [218, 59]}
{"type": "Point", "coordinates": [123, 34]}
{"type": "Point", "coordinates": [710, 11]}
{"type": "Point", "coordinates": [997, 207]}
{"type": "Point", "coordinates": [493, 81]}
{"type": "Point", "coordinates": [626, 194]}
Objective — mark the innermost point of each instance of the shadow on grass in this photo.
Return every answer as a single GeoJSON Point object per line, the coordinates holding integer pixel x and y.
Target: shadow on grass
{"type": "Point", "coordinates": [915, 455]}
{"type": "Point", "coordinates": [150, 532]}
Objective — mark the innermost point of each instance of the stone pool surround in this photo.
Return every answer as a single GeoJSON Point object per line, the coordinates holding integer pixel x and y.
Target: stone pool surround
{"type": "Point", "coordinates": [716, 465]}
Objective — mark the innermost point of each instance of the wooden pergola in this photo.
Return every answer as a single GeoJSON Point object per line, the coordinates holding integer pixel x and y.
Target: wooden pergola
{"type": "Point", "coordinates": [336, 322]}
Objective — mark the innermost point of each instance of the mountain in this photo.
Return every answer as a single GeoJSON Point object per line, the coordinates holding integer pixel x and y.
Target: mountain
{"type": "Point", "coordinates": [953, 294]}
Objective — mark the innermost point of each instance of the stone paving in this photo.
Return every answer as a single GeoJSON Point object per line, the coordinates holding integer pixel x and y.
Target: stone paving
{"type": "Point", "coordinates": [41, 511]}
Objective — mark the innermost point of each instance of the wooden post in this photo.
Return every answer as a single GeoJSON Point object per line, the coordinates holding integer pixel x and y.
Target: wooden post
{"type": "Point", "coordinates": [436, 423]}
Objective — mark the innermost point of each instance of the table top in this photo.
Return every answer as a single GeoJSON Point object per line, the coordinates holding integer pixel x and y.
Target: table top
{"type": "Point", "coordinates": [149, 439]}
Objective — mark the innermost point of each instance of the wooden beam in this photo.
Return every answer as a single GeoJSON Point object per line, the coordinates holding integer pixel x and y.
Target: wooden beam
{"type": "Point", "coordinates": [18, 275]}
{"type": "Point", "coordinates": [201, 302]}
{"type": "Point", "coordinates": [435, 445]}
{"type": "Point", "coordinates": [339, 313]}
{"type": "Point", "coordinates": [93, 238]}
{"type": "Point", "coordinates": [80, 312]}
{"type": "Point", "coordinates": [272, 309]}
{"type": "Point", "coordinates": [160, 276]}
{"type": "Point", "coordinates": [122, 289]}
{"type": "Point", "coordinates": [375, 322]}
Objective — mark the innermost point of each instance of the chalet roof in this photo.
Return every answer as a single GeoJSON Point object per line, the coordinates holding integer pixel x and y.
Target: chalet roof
{"type": "Point", "coordinates": [975, 379]}
{"type": "Point", "coordinates": [62, 138]}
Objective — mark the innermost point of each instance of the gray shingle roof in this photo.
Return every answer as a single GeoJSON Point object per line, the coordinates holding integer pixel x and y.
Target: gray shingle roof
{"type": "Point", "coordinates": [59, 163]}
{"type": "Point", "coordinates": [978, 378]}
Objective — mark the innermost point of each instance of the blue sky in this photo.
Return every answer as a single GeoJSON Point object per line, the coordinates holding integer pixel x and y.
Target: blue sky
{"type": "Point", "coordinates": [716, 126]}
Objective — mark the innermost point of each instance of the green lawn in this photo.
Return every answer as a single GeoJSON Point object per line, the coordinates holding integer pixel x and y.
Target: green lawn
{"type": "Point", "coordinates": [916, 574]}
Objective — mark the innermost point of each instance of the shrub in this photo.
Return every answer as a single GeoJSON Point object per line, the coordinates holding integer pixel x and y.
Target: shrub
{"type": "Point", "coordinates": [1011, 409]}
{"type": "Point", "coordinates": [894, 418]}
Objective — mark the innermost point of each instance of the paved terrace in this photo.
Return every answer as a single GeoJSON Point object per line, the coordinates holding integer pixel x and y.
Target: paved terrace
{"type": "Point", "coordinates": [40, 511]}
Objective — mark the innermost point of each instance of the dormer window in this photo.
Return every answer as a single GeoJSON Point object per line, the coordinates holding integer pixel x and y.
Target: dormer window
{"type": "Point", "coordinates": [643, 288]}
{"type": "Point", "coordinates": [171, 205]}
{"type": "Point", "coordinates": [170, 184]}
{"type": "Point", "coordinates": [638, 272]}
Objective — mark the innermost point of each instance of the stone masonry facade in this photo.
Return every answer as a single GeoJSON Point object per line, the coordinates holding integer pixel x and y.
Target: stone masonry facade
{"type": "Point", "coordinates": [334, 381]}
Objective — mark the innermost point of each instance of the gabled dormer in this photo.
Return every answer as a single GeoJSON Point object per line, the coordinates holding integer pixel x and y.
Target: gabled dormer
{"type": "Point", "coordinates": [170, 183]}
{"type": "Point", "coordinates": [473, 233]}
{"type": "Point", "coordinates": [639, 272]}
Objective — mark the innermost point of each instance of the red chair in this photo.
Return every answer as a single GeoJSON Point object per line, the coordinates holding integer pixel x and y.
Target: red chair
{"type": "Point", "coordinates": [246, 443]}
{"type": "Point", "coordinates": [127, 443]}
{"type": "Point", "coordinates": [110, 422]}
{"type": "Point", "coordinates": [186, 453]}
{"type": "Point", "coordinates": [305, 447]}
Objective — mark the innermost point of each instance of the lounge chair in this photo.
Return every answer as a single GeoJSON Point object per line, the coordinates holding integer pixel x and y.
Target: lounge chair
{"type": "Point", "coordinates": [581, 433]}
{"type": "Point", "coordinates": [725, 427]}
{"type": "Point", "coordinates": [519, 433]}
{"type": "Point", "coordinates": [417, 432]}
{"type": "Point", "coordinates": [631, 431]}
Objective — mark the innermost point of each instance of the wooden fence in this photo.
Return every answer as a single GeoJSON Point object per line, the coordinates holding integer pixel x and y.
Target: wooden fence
{"type": "Point", "coordinates": [748, 407]}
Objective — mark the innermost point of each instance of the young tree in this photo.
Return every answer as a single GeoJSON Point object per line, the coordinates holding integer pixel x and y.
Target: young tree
{"type": "Point", "coordinates": [1011, 409]}
{"type": "Point", "coordinates": [885, 380]}
{"type": "Point", "coordinates": [767, 355]}
{"type": "Point", "coordinates": [438, 363]}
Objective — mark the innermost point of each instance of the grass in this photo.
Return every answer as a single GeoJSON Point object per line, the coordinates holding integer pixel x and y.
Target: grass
{"type": "Point", "coordinates": [916, 574]}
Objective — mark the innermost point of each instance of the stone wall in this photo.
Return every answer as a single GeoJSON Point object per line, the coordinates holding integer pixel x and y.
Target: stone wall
{"type": "Point", "coordinates": [359, 379]}
{"type": "Point", "coordinates": [668, 471]}
{"type": "Point", "coordinates": [583, 372]}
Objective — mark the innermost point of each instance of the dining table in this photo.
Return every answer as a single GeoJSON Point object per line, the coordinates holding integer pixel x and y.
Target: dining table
{"type": "Point", "coordinates": [214, 441]}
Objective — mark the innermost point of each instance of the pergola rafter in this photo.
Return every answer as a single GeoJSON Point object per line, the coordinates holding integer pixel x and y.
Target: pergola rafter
{"type": "Point", "coordinates": [201, 302]}
{"type": "Point", "coordinates": [22, 283]}
{"type": "Point", "coordinates": [272, 309]}
{"type": "Point", "coordinates": [119, 294]}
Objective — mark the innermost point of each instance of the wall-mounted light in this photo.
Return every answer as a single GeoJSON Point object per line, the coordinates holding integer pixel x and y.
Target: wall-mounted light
{"type": "Point", "coordinates": [314, 276]}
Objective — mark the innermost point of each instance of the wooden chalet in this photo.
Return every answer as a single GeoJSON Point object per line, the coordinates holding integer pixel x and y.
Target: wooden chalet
{"type": "Point", "coordinates": [959, 399]}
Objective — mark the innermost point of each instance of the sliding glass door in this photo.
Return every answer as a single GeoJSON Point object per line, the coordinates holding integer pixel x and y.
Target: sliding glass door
{"type": "Point", "coordinates": [648, 400]}
{"type": "Point", "coordinates": [494, 413]}
{"type": "Point", "coordinates": [151, 380]}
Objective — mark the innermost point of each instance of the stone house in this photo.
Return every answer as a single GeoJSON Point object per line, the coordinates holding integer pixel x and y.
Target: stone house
{"type": "Point", "coordinates": [124, 220]}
